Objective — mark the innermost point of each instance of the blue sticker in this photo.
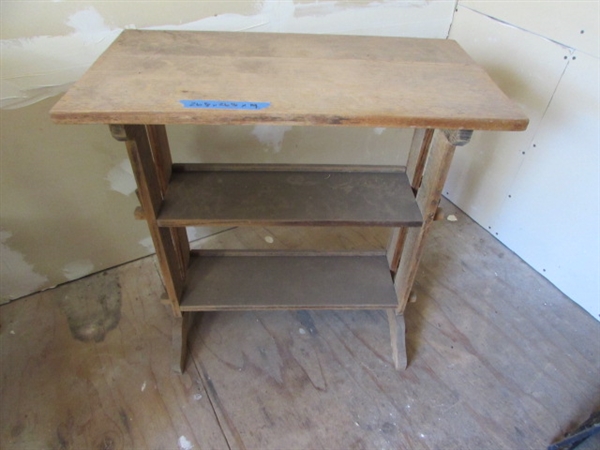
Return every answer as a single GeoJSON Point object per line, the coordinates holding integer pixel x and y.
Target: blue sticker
{"type": "Point", "coordinates": [220, 104]}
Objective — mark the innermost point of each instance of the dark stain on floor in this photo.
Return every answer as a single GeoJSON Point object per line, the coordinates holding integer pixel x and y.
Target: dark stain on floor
{"type": "Point", "coordinates": [94, 310]}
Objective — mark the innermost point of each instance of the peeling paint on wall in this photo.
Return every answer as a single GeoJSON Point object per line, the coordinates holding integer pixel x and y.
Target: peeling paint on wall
{"type": "Point", "coordinates": [17, 276]}
{"type": "Point", "coordinates": [37, 68]}
{"type": "Point", "coordinates": [121, 178]}
{"type": "Point", "coordinates": [225, 22]}
{"type": "Point", "coordinates": [193, 233]}
{"type": "Point", "coordinates": [88, 22]}
{"type": "Point", "coordinates": [320, 8]}
{"type": "Point", "coordinates": [78, 269]}
{"type": "Point", "coordinates": [147, 244]}
{"type": "Point", "coordinates": [270, 136]}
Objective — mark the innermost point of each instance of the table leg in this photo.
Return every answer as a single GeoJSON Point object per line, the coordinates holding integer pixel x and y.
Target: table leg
{"type": "Point", "coordinates": [179, 342]}
{"type": "Point", "coordinates": [429, 162]}
{"type": "Point", "coordinates": [419, 149]}
{"type": "Point", "coordinates": [149, 156]}
{"type": "Point", "coordinates": [398, 339]}
{"type": "Point", "coordinates": [429, 194]}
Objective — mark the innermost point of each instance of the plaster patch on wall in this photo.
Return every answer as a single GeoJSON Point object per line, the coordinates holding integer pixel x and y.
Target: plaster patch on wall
{"type": "Point", "coordinates": [78, 269]}
{"type": "Point", "coordinates": [195, 233]}
{"type": "Point", "coordinates": [222, 22]}
{"type": "Point", "coordinates": [147, 244]}
{"type": "Point", "coordinates": [87, 22]}
{"type": "Point", "coordinates": [192, 233]}
{"type": "Point", "coordinates": [121, 178]}
{"type": "Point", "coordinates": [320, 8]}
{"type": "Point", "coordinates": [414, 18]}
{"type": "Point", "coordinates": [378, 131]}
{"type": "Point", "coordinates": [34, 69]}
{"type": "Point", "coordinates": [17, 277]}
{"type": "Point", "coordinates": [271, 136]}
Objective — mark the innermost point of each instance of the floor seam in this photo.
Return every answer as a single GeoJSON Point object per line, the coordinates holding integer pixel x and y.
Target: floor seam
{"type": "Point", "coordinates": [210, 400]}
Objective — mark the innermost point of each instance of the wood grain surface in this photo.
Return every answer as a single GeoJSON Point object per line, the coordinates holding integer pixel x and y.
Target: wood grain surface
{"type": "Point", "coordinates": [306, 79]}
{"type": "Point", "coordinates": [289, 197]}
{"type": "Point", "coordinates": [288, 281]}
{"type": "Point", "coordinates": [499, 359]}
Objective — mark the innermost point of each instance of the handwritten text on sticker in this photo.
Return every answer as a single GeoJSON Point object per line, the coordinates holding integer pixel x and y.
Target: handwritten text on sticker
{"type": "Point", "coordinates": [220, 104]}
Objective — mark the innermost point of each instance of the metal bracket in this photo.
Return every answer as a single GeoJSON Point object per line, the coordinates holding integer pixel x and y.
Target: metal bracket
{"type": "Point", "coordinates": [458, 137]}
{"type": "Point", "coordinates": [118, 132]}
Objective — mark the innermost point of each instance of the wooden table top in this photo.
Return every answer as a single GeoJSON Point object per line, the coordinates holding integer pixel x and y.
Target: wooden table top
{"type": "Point", "coordinates": [164, 77]}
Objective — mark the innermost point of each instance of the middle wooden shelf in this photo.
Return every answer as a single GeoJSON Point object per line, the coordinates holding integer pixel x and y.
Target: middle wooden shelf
{"type": "Point", "coordinates": [288, 195]}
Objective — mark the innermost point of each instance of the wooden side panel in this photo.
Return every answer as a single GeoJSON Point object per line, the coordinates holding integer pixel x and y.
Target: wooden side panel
{"type": "Point", "coordinates": [428, 198]}
{"type": "Point", "coordinates": [161, 153]}
{"type": "Point", "coordinates": [179, 340]}
{"type": "Point", "coordinates": [170, 244]}
{"type": "Point", "coordinates": [182, 244]}
{"type": "Point", "coordinates": [398, 339]}
{"type": "Point", "coordinates": [419, 149]}
{"type": "Point", "coordinates": [149, 189]}
{"type": "Point", "coordinates": [417, 156]}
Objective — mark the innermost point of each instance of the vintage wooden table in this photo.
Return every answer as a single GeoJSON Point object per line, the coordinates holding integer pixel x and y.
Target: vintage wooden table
{"type": "Point", "coordinates": [148, 79]}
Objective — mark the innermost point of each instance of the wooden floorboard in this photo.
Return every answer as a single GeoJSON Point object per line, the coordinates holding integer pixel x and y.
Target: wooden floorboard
{"type": "Point", "coordinates": [498, 359]}
{"type": "Point", "coordinates": [86, 366]}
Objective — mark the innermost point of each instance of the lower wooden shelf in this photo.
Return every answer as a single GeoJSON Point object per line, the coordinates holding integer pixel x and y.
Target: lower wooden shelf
{"type": "Point", "coordinates": [250, 280]}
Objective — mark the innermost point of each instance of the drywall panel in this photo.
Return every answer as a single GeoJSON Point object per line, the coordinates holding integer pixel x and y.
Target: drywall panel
{"type": "Point", "coordinates": [536, 191]}
{"type": "Point", "coordinates": [527, 68]}
{"type": "Point", "coordinates": [35, 68]}
{"type": "Point", "coordinates": [414, 18]}
{"type": "Point", "coordinates": [25, 19]}
{"type": "Point", "coordinates": [58, 210]}
{"type": "Point", "coordinates": [573, 23]}
{"type": "Point", "coordinates": [66, 202]}
{"type": "Point", "coordinates": [289, 145]}
{"type": "Point", "coordinates": [552, 217]}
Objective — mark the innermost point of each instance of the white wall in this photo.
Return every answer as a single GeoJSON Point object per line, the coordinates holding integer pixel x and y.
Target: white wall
{"type": "Point", "coordinates": [538, 192]}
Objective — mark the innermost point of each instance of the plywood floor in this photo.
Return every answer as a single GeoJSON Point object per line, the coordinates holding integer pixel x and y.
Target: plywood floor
{"type": "Point", "coordinates": [498, 359]}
